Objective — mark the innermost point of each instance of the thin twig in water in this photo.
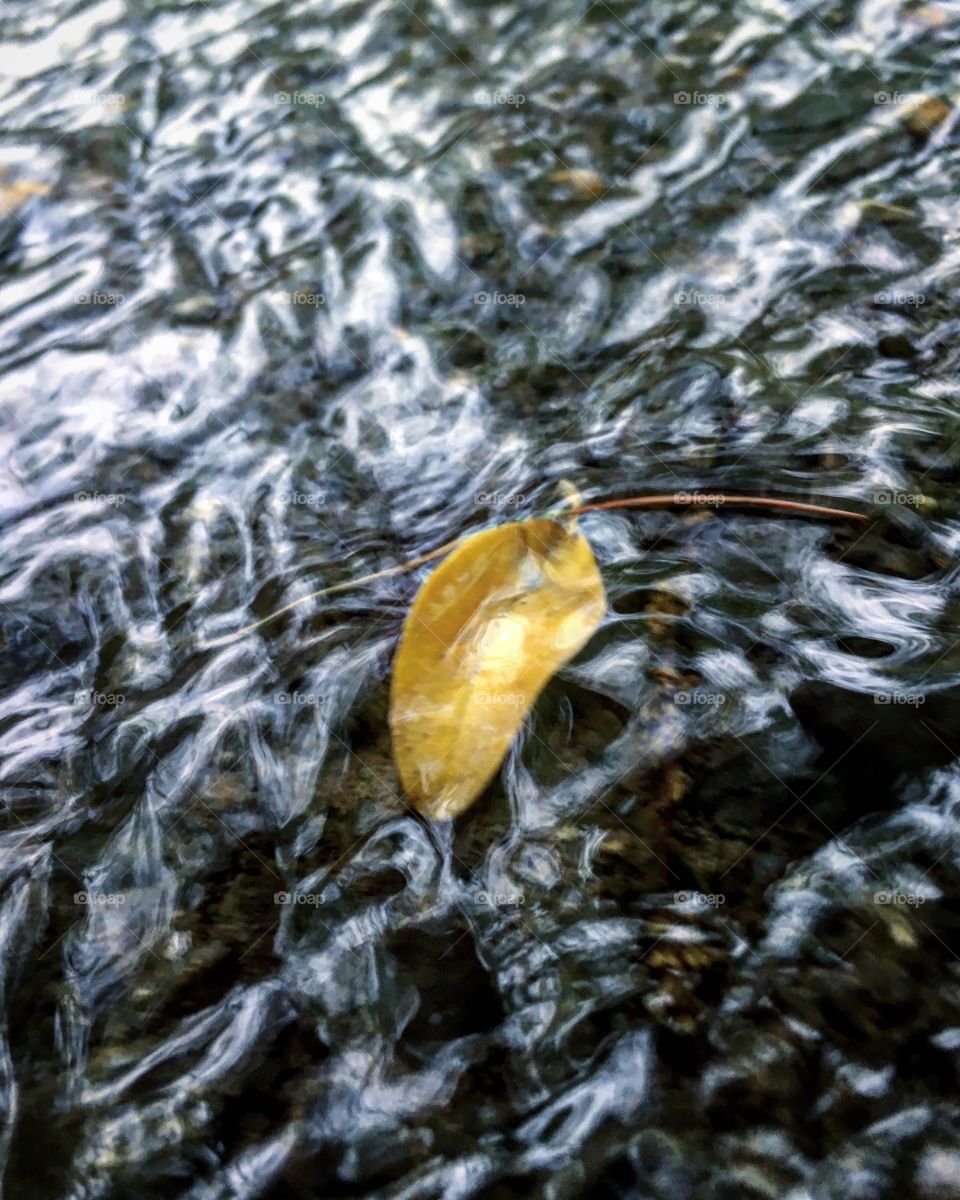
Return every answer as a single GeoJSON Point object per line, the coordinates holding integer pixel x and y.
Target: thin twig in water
{"type": "Point", "coordinates": [717, 500]}
{"type": "Point", "coordinates": [666, 500]}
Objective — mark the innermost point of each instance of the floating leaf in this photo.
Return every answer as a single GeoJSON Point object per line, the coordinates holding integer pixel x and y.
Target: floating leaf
{"type": "Point", "coordinates": [585, 184]}
{"type": "Point", "coordinates": [924, 114]}
{"type": "Point", "coordinates": [886, 214]}
{"type": "Point", "coordinates": [487, 630]}
{"type": "Point", "coordinates": [15, 195]}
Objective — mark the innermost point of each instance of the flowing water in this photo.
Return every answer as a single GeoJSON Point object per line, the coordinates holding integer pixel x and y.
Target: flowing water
{"type": "Point", "coordinates": [292, 292]}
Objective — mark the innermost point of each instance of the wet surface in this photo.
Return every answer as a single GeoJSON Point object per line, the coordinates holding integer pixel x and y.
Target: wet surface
{"type": "Point", "coordinates": [290, 293]}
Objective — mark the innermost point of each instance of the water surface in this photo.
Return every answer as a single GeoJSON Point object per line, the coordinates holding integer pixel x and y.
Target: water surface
{"type": "Point", "coordinates": [292, 292]}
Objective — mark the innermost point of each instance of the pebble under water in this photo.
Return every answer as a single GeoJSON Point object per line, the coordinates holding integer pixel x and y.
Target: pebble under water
{"type": "Point", "coordinates": [293, 292]}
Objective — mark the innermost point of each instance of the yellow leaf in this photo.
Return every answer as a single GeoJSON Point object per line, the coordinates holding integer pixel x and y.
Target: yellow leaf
{"type": "Point", "coordinates": [925, 114]}
{"type": "Point", "coordinates": [585, 184]}
{"type": "Point", "coordinates": [487, 630]}
{"type": "Point", "coordinates": [15, 195]}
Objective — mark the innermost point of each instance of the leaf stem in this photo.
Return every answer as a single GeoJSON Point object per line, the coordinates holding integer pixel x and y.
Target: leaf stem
{"type": "Point", "coordinates": [665, 500]}
{"type": "Point", "coordinates": [717, 500]}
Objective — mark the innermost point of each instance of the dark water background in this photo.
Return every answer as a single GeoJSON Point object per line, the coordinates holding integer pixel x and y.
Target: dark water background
{"type": "Point", "coordinates": [291, 292]}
